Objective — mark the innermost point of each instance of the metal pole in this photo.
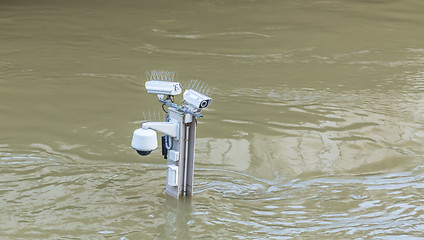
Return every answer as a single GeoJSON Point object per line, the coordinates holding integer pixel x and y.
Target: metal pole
{"type": "Point", "coordinates": [180, 173]}
{"type": "Point", "coordinates": [175, 172]}
{"type": "Point", "coordinates": [190, 156]}
{"type": "Point", "coordinates": [185, 159]}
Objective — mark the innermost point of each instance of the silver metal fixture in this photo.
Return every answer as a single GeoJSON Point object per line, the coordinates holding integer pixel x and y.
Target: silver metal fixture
{"type": "Point", "coordinates": [178, 143]}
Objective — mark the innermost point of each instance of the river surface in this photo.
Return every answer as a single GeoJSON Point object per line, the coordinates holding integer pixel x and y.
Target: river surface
{"type": "Point", "coordinates": [315, 130]}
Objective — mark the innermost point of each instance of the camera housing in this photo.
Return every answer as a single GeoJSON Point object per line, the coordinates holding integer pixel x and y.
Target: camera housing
{"type": "Point", "coordinates": [144, 141]}
{"type": "Point", "coordinates": [163, 87]}
{"type": "Point", "coordinates": [196, 100]}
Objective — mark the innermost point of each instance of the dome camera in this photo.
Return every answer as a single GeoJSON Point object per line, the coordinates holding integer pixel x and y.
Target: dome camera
{"type": "Point", "coordinates": [143, 153]}
{"type": "Point", "coordinates": [144, 141]}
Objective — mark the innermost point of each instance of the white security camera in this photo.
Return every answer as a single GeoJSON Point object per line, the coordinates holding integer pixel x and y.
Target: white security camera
{"type": "Point", "coordinates": [163, 87]}
{"type": "Point", "coordinates": [144, 141]}
{"type": "Point", "coordinates": [196, 99]}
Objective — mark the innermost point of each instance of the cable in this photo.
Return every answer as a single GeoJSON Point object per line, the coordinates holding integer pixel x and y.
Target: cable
{"type": "Point", "coordinates": [167, 139]}
{"type": "Point", "coordinates": [163, 105]}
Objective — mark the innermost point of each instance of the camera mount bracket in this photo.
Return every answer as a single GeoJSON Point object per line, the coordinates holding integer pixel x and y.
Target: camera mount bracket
{"type": "Point", "coordinates": [169, 128]}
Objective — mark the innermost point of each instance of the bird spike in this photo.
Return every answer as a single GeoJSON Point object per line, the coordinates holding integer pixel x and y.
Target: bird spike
{"type": "Point", "coordinates": [212, 92]}
{"type": "Point", "coordinates": [204, 89]}
{"type": "Point", "coordinates": [145, 119]}
{"type": "Point", "coordinates": [192, 83]}
{"type": "Point", "coordinates": [159, 75]}
{"type": "Point", "coordinates": [207, 90]}
{"type": "Point", "coordinates": [201, 86]}
{"type": "Point", "coordinates": [197, 86]}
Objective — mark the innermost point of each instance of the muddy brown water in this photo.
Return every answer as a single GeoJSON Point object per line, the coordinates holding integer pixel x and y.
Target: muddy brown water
{"type": "Point", "coordinates": [315, 130]}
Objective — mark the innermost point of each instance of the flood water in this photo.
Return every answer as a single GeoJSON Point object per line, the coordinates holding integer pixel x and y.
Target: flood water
{"type": "Point", "coordinates": [315, 130]}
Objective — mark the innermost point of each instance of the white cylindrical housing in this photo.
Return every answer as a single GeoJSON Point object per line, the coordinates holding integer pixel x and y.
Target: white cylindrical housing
{"type": "Point", "coordinates": [196, 99]}
{"type": "Point", "coordinates": [144, 140]}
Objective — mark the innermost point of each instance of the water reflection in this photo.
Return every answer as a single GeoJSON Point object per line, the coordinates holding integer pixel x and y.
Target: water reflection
{"type": "Point", "coordinates": [177, 215]}
{"type": "Point", "coordinates": [330, 206]}
{"type": "Point", "coordinates": [229, 153]}
{"type": "Point", "coordinates": [325, 131]}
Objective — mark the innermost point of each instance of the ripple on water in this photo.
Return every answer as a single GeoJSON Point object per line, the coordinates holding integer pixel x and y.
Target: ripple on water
{"type": "Point", "coordinates": [311, 131]}
{"type": "Point", "coordinates": [112, 199]}
{"type": "Point", "coordinates": [327, 206]}
{"type": "Point", "coordinates": [62, 194]}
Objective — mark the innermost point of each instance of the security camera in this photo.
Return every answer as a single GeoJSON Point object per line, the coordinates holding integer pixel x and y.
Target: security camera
{"type": "Point", "coordinates": [196, 99]}
{"type": "Point", "coordinates": [163, 87]}
{"type": "Point", "coordinates": [144, 141]}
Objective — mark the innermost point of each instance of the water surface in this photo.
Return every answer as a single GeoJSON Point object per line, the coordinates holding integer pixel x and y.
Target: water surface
{"type": "Point", "coordinates": [315, 130]}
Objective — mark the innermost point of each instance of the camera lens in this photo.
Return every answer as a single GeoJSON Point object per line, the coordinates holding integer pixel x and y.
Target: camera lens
{"type": "Point", "coordinates": [203, 104]}
{"type": "Point", "coordinates": [143, 153]}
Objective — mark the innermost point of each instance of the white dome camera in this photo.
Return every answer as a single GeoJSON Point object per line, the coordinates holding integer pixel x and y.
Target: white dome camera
{"type": "Point", "coordinates": [144, 141]}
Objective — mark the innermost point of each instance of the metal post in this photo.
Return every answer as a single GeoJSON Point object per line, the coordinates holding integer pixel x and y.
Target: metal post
{"type": "Point", "coordinates": [187, 128]}
{"type": "Point", "coordinates": [184, 166]}
{"type": "Point", "coordinates": [190, 155]}
{"type": "Point", "coordinates": [174, 183]}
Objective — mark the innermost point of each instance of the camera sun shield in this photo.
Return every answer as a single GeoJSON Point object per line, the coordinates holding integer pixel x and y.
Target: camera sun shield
{"type": "Point", "coordinates": [163, 87]}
